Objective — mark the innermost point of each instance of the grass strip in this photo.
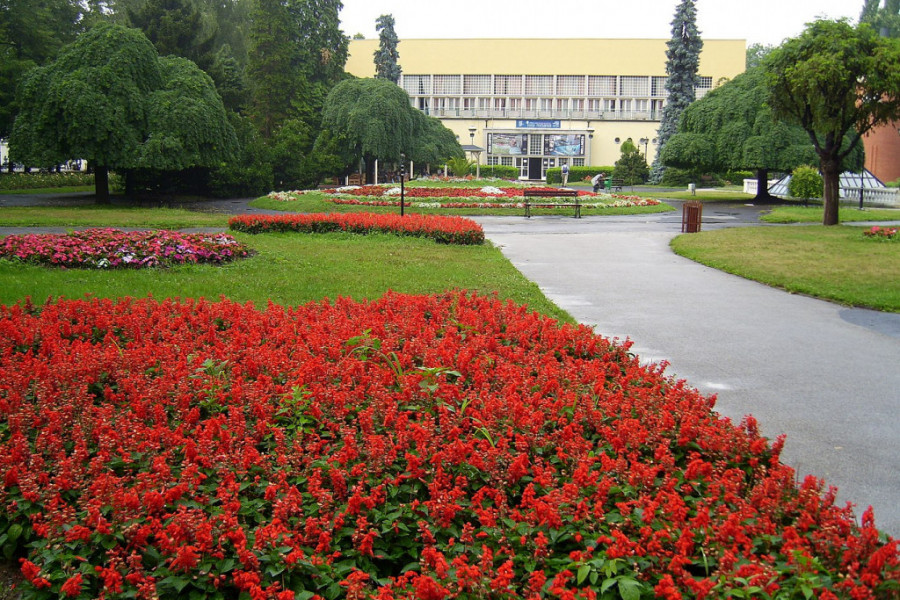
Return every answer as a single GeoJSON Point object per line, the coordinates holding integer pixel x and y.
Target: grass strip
{"type": "Point", "coordinates": [813, 214]}
{"type": "Point", "coordinates": [93, 215]}
{"type": "Point", "coordinates": [292, 269]}
{"type": "Point", "coordinates": [832, 263]}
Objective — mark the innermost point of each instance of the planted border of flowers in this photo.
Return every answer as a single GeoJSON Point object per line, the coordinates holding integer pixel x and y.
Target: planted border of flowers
{"type": "Point", "coordinates": [882, 233]}
{"type": "Point", "coordinates": [428, 447]}
{"type": "Point", "coordinates": [446, 197]}
{"type": "Point", "coordinates": [115, 249]}
{"type": "Point", "coordinates": [443, 229]}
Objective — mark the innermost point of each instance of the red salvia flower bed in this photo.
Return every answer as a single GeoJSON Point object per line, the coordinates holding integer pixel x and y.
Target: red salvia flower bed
{"type": "Point", "coordinates": [448, 446]}
{"type": "Point", "coordinates": [444, 229]}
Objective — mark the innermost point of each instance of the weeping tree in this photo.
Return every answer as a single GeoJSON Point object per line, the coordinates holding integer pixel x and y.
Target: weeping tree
{"type": "Point", "coordinates": [371, 119]}
{"type": "Point", "coordinates": [109, 98]}
{"type": "Point", "coordinates": [386, 57]}
{"type": "Point", "coordinates": [682, 63]}
{"type": "Point", "coordinates": [837, 82]}
{"type": "Point", "coordinates": [436, 144]}
{"type": "Point", "coordinates": [732, 129]}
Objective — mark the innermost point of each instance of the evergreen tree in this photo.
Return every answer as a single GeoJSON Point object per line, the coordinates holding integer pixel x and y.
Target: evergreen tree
{"type": "Point", "coordinates": [682, 63]}
{"type": "Point", "coordinates": [631, 166]}
{"type": "Point", "coordinates": [176, 27]}
{"type": "Point", "coordinates": [885, 19]}
{"type": "Point", "coordinates": [386, 57]}
{"type": "Point", "coordinates": [322, 51]}
{"type": "Point", "coordinates": [273, 73]}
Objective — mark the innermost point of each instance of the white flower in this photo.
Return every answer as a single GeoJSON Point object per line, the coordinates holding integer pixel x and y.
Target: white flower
{"type": "Point", "coordinates": [492, 191]}
{"type": "Point", "coordinates": [394, 191]}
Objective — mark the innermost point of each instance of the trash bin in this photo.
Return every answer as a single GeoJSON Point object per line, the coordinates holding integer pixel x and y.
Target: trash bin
{"type": "Point", "coordinates": [691, 217]}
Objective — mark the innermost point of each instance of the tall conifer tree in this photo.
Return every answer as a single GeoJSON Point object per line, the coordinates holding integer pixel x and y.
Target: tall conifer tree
{"type": "Point", "coordinates": [682, 63]}
{"type": "Point", "coordinates": [386, 57]}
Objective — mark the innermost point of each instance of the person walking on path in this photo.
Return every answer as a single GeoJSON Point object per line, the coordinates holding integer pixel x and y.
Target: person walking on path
{"type": "Point", "coordinates": [565, 175]}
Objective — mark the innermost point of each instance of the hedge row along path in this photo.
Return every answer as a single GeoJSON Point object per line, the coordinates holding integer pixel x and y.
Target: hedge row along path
{"type": "Point", "coordinates": [412, 447]}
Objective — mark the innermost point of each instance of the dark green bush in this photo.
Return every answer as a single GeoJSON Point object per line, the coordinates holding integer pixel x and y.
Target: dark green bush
{"type": "Point", "coordinates": [499, 171]}
{"type": "Point", "coordinates": [33, 181]}
{"type": "Point", "coordinates": [577, 174]}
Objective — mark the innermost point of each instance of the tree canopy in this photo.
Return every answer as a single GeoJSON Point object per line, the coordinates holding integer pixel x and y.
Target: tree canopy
{"type": "Point", "coordinates": [731, 128]}
{"type": "Point", "coordinates": [371, 119]}
{"type": "Point", "coordinates": [682, 63]}
{"type": "Point", "coordinates": [109, 98]}
{"type": "Point", "coordinates": [835, 81]}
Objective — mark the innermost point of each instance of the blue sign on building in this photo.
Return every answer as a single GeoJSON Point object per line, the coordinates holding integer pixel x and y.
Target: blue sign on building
{"type": "Point", "coordinates": [537, 124]}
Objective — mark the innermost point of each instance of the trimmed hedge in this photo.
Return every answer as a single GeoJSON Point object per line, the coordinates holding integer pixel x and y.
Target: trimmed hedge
{"type": "Point", "coordinates": [554, 175]}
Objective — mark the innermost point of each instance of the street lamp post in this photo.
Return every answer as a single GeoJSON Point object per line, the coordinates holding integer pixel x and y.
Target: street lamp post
{"type": "Point", "coordinates": [645, 141]}
{"type": "Point", "coordinates": [402, 177]}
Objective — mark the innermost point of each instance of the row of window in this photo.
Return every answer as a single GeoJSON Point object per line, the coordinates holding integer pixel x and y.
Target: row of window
{"type": "Point", "coordinates": [541, 85]}
{"type": "Point", "coordinates": [525, 166]}
{"type": "Point", "coordinates": [595, 105]}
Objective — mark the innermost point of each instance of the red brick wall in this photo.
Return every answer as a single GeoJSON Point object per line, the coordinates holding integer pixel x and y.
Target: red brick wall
{"type": "Point", "coordinates": [883, 152]}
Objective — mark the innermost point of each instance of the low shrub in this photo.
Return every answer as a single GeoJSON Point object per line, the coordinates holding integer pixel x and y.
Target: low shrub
{"type": "Point", "coordinates": [554, 175]}
{"type": "Point", "coordinates": [498, 171]}
{"type": "Point", "coordinates": [111, 249]}
{"type": "Point", "coordinates": [33, 181]}
{"type": "Point", "coordinates": [444, 229]}
{"type": "Point", "coordinates": [449, 446]}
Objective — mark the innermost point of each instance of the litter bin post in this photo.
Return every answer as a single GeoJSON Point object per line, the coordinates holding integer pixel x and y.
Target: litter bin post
{"type": "Point", "coordinates": [691, 217]}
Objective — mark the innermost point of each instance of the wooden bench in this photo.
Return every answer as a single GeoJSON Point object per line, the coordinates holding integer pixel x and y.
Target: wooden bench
{"type": "Point", "coordinates": [616, 184]}
{"type": "Point", "coordinates": [544, 193]}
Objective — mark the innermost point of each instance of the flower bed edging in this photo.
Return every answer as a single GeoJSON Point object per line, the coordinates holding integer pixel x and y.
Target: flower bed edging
{"type": "Point", "coordinates": [443, 229]}
{"type": "Point", "coordinates": [111, 248]}
{"type": "Point", "coordinates": [412, 447]}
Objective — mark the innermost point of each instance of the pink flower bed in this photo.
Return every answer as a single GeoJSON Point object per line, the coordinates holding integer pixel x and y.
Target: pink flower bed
{"type": "Point", "coordinates": [881, 233]}
{"type": "Point", "coordinates": [112, 248]}
{"type": "Point", "coordinates": [444, 229]}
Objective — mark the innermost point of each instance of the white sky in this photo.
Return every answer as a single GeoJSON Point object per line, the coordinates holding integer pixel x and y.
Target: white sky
{"type": "Point", "coordinates": [757, 21]}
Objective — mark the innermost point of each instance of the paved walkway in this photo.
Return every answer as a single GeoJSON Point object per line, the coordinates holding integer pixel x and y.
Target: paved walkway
{"type": "Point", "coordinates": [824, 375]}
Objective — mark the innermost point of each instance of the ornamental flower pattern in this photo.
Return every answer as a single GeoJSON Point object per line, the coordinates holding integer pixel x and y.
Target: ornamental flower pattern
{"type": "Point", "coordinates": [112, 249]}
{"type": "Point", "coordinates": [449, 446]}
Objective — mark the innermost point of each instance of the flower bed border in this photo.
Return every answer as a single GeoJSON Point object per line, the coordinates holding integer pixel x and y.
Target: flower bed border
{"type": "Point", "coordinates": [440, 228]}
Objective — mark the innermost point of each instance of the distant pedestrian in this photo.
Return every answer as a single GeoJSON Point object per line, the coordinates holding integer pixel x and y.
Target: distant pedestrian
{"type": "Point", "coordinates": [597, 181]}
{"type": "Point", "coordinates": [565, 175]}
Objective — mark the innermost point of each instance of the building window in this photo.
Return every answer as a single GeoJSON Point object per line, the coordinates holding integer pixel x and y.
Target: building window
{"type": "Point", "coordinates": [515, 104]}
{"type": "Point", "coordinates": [506, 161]}
{"type": "Point", "coordinates": [447, 84]}
{"type": "Point", "coordinates": [546, 103]}
{"type": "Point", "coordinates": [531, 103]}
{"type": "Point", "coordinates": [577, 103]}
{"type": "Point", "coordinates": [492, 160]}
{"type": "Point", "coordinates": [658, 87]}
{"type": "Point", "coordinates": [562, 104]}
{"type": "Point", "coordinates": [570, 85]}
{"type": "Point", "coordinates": [476, 84]}
{"type": "Point", "coordinates": [704, 84]}
{"type": "Point", "coordinates": [595, 105]}
{"type": "Point", "coordinates": [635, 86]}
{"type": "Point", "coordinates": [536, 144]}
{"type": "Point", "coordinates": [500, 104]}
{"type": "Point", "coordinates": [417, 85]}
{"type": "Point", "coordinates": [602, 85]}
{"type": "Point", "coordinates": [535, 85]}
{"type": "Point", "coordinates": [507, 85]}
{"type": "Point", "coordinates": [577, 162]}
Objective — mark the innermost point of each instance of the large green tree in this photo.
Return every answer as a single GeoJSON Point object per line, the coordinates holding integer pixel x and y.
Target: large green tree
{"type": "Point", "coordinates": [31, 33]}
{"type": "Point", "coordinates": [631, 167]}
{"type": "Point", "coordinates": [371, 119]}
{"type": "Point", "coordinates": [682, 64]}
{"type": "Point", "coordinates": [732, 128]}
{"type": "Point", "coordinates": [387, 57]}
{"type": "Point", "coordinates": [176, 27]}
{"type": "Point", "coordinates": [109, 98]}
{"type": "Point", "coordinates": [835, 80]}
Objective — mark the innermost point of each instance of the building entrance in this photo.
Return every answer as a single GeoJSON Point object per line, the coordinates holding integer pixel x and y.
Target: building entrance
{"type": "Point", "coordinates": [534, 168]}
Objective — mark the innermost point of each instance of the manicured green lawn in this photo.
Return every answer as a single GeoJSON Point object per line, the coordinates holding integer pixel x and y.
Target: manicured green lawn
{"type": "Point", "coordinates": [293, 269]}
{"type": "Point", "coordinates": [55, 190]}
{"type": "Point", "coordinates": [813, 214]}
{"type": "Point", "coordinates": [712, 195]}
{"type": "Point", "coordinates": [95, 215]}
{"type": "Point", "coordinates": [834, 263]}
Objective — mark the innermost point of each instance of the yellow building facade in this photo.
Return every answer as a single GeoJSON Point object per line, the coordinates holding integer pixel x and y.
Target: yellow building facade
{"type": "Point", "coordinates": [541, 103]}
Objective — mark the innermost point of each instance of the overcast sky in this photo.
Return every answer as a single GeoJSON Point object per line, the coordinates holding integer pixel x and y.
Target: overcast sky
{"type": "Point", "coordinates": [757, 21]}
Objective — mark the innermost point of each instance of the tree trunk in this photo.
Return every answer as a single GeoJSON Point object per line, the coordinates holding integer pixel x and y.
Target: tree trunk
{"type": "Point", "coordinates": [101, 184]}
{"type": "Point", "coordinates": [831, 175]}
{"type": "Point", "coordinates": [762, 188]}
